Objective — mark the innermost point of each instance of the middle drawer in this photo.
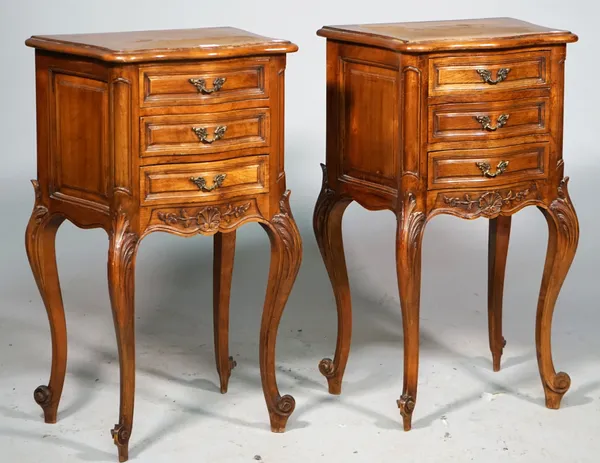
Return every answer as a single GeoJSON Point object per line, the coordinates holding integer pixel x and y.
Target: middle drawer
{"type": "Point", "coordinates": [204, 133]}
{"type": "Point", "coordinates": [488, 120]}
{"type": "Point", "coordinates": [204, 181]}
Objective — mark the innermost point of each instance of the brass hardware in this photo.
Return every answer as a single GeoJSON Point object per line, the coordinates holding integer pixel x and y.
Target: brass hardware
{"type": "Point", "coordinates": [200, 182]}
{"type": "Point", "coordinates": [200, 85]}
{"type": "Point", "coordinates": [486, 122]}
{"type": "Point", "coordinates": [202, 133]}
{"type": "Point", "coordinates": [485, 169]}
{"type": "Point", "coordinates": [486, 75]}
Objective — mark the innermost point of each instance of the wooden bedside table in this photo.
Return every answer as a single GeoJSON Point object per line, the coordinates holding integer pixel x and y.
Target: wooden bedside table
{"type": "Point", "coordinates": [178, 131]}
{"type": "Point", "coordinates": [450, 117]}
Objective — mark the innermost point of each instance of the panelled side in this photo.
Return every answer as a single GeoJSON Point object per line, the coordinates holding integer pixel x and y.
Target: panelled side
{"type": "Point", "coordinates": [368, 118]}
{"type": "Point", "coordinates": [74, 165]}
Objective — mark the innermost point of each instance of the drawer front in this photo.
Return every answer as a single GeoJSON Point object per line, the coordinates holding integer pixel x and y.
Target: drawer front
{"type": "Point", "coordinates": [493, 120]}
{"type": "Point", "coordinates": [493, 72]}
{"type": "Point", "coordinates": [204, 133]}
{"type": "Point", "coordinates": [166, 184]}
{"type": "Point", "coordinates": [489, 167]}
{"type": "Point", "coordinates": [207, 83]}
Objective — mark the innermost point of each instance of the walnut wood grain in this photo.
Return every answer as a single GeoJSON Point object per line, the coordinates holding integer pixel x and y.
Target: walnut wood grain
{"type": "Point", "coordinates": [407, 131]}
{"type": "Point", "coordinates": [498, 239]}
{"type": "Point", "coordinates": [411, 224]}
{"type": "Point", "coordinates": [431, 36]}
{"type": "Point", "coordinates": [327, 225]}
{"type": "Point", "coordinates": [163, 45]}
{"type": "Point", "coordinates": [40, 245]}
{"type": "Point", "coordinates": [286, 256]}
{"type": "Point", "coordinates": [120, 146]}
{"type": "Point", "coordinates": [563, 230]}
{"type": "Point", "coordinates": [121, 280]}
{"type": "Point", "coordinates": [224, 252]}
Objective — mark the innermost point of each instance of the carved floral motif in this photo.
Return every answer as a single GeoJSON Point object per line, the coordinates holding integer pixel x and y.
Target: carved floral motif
{"type": "Point", "coordinates": [489, 203]}
{"type": "Point", "coordinates": [208, 219]}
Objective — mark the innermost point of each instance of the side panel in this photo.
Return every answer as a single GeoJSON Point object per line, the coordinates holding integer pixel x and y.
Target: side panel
{"type": "Point", "coordinates": [368, 118]}
{"type": "Point", "coordinates": [73, 138]}
{"type": "Point", "coordinates": [80, 148]}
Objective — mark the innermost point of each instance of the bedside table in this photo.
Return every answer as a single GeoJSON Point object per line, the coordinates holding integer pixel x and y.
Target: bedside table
{"type": "Point", "coordinates": [178, 131]}
{"type": "Point", "coordinates": [449, 117]}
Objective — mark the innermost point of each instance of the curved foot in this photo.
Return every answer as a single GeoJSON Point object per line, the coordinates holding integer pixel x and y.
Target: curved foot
{"type": "Point", "coordinates": [327, 225]}
{"type": "Point", "coordinates": [121, 435]}
{"type": "Point", "coordinates": [328, 369]}
{"type": "Point", "coordinates": [411, 223]}
{"type": "Point", "coordinates": [121, 268]}
{"type": "Point", "coordinates": [224, 375]}
{"type": "Point", "coordinates": [224, 252]}
{"type": "Point", "coordinates": [556, 389]}
{"type": "Point", "coordinates": [40, 245]}
{"type": "Point", "coordinates": [286, 254]}
{"type": "Point", "coordinates": [283, 409]}
{"type": "Point", "coordinates": [563, 237]}
{"type": "Point", "coordinates": [43, 397]}
{"type": "Point", "coordinates": [406, 404]}
{"type": "Point", "coordinates": [499, 236]}
{"type": "Point", "coordinates": [497, 355]}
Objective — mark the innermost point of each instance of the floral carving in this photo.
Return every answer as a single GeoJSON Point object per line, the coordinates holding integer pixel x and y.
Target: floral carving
{"type": "Point", "coordinates": [208, 219]}
{"type": "Point", "coordinates": [490, 203]}
{"type": "Point", "coordinates": [565, 214]}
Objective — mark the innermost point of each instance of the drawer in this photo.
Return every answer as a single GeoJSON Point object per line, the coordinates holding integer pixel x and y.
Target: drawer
{"type": "Point", "coordinates": [204, 133]}
{"type": "Point", "coordinates": [494, 166]}
{"type": "Point", "coordinates": [493, 72]}
{"type": "Point", "coordinates": [166, 184]}
{"type": "Point", "coordinates": [210, 82]}
{"type": "Point", "coordinates": [488, 120]}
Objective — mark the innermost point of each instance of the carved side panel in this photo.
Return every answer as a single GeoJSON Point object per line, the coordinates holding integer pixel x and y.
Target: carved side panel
{"type": "Point", "coordinates": [486, 203]}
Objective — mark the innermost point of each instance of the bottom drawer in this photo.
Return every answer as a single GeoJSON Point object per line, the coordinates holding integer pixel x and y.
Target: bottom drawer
{"type": "Point", "coordinates": [491, 166]}
{"type": "Point", "coordinates": [173, 183]}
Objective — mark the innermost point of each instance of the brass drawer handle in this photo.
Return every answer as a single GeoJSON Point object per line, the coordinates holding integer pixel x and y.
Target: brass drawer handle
{"type": "Point", "coordinates": [200, 85]}
{"type": "Point", "coordinates": [485, 169]}
{"type": "Point", "coordinates": [200, 182]}
{"type": "Point", "coordinates": [202, 133]}
{"type": "Point", "coordinates": [486, 75]}
{"type": "Point", "coordinates": [486, 122]}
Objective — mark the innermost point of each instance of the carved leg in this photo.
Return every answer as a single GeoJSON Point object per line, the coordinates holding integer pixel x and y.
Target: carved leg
{"type": "Point", "coordinates": [327, 224]}
{"type": "Point", "coordinates": [563, 231]}
{"type": "Point", "coordinates": [411, 223]}
{"type": "Point", "coordinates": [224, 251]}
{"type": "Point", "coordinates": [499, 236]}
{"type": "Point", "coordinates": [40, 244]}
{"type": "Point", "coordinates": [121, 279]}
{"type": "Point", "coordinates": [286, 255]}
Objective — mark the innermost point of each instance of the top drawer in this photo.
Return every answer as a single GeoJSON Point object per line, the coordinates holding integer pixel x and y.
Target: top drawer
{"type": "Point", "coordinates": [492, 72]}
{"type": "Point", "coordinates": [203, 83]}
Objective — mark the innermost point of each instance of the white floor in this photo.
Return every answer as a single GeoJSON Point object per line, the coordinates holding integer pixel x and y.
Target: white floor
{"type": "Point", "coordinates": [465, 412]}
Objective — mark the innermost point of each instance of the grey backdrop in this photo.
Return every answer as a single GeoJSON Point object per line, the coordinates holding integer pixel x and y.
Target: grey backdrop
{"type": "Point", "coordinates": [173, 283]}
